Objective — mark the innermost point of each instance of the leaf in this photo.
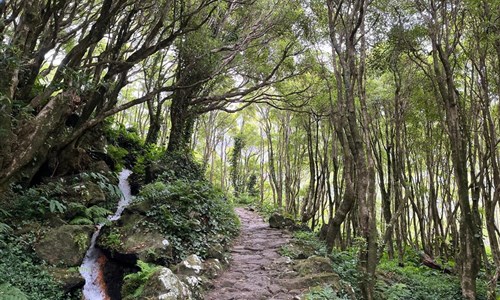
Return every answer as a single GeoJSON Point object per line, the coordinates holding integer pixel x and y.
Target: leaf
{"type": "Point", "coordinates": [81, 221]}
{"type": "Point", "coordinates": [56, 206]}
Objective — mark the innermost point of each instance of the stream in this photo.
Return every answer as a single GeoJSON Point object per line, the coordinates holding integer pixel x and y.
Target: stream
{"type": "Point", "coordinates": [91, 270]}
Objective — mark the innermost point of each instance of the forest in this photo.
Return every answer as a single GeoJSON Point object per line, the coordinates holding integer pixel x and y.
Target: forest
{"type": "Point", "coordinates": [371, 124]}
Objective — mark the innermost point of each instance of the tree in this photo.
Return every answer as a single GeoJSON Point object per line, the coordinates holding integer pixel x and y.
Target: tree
{"type": "Point", "coordinates": [74, 59]}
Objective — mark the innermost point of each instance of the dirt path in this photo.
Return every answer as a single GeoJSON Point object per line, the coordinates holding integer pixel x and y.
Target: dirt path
{"type": "Point", "coordinates": [256, 265]}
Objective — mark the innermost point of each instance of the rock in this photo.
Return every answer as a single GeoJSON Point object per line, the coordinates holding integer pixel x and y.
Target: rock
{"type": "Point", "coordinates": [280, 222]}
{"type": "Point", "coordinates": [70, 279]}
{"type": "Point", "coordinates": [9, 292]}
{"type": "Point", "coordinates": [86, 193]}
{"type": "Point", "coordinates": [93, 194]}
{"type": "Point", "coordinates": [165, 285]}
{"type": "Point", "coordinates": [191, 266]}
{"type": "Point", "coordinates": [213, 268]}
{"type": "Point", "coordinates": [313, 265]}
{"type": "Point", "coordinates": [216, 251]}
{"type": "Point", "coordinates": [300, 227]}
{"type": "Point", "coordinates": [66, 245]}
{"type": "Point", "coordinates": [313, 280]}
{"type": "Point", "coordinates": [131, 242]}
{"type": "Point", "coordinates": [100, 166]}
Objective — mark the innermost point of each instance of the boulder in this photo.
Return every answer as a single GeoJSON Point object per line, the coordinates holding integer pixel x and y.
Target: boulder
{"type": "Point", "coordinates": [191, 266]}
{"type": "Point", "coordinates": [310, 280]}
{"type": "Point", "coordinates": [86, 193]}
{"type": "Point", "coordinates": [299, 250]}
{"type": "Point", "coordinates": [165, 285]}
{"type": "Point", "coordinates": [130, 239]}
{"type": "Point", "coordinates": [313, 265]}
{"type": "Point", "coordinates": [65, 245]}
{"type": "Point", "coordinates": [70, 279]}
{"type": "Point", "coordinates": [192, 271]}
{"type": "Point", "coordinates": [216, 251]}
{"type": "Point", "coordinates": [280, 222]}
{"type": "Point", "coordinates": [212, 267]}
{"type": "Point", "coordinates": [129, 243]}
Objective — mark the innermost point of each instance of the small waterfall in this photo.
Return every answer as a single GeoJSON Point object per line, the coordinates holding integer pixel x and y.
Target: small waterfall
{"type": "Point", "coordinates": [91, 267]}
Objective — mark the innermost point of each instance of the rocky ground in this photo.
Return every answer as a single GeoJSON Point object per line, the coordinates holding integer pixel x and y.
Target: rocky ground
{"type": "Point", "coordinates": [258, 271]}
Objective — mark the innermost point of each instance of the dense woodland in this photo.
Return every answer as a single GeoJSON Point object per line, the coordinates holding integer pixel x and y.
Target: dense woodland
{"type": "Point", "coordinates": [375, 123]}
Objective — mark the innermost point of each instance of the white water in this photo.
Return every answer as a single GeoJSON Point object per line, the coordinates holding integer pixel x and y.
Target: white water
{"type": "Point", "coordinates": [90, 266]}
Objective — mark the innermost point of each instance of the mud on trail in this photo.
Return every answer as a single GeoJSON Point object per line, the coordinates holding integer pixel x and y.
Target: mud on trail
{"type": "Point", "coordinates": [257, 271]}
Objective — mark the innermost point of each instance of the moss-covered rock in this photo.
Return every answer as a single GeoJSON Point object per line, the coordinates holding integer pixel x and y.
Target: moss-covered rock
{"type": "Point", "coordinates": [310, 280]}
{"type": "Point", "coordinates": [69, 278]}
{"type": "Point", "coordinates": [129, 240]}
{"type": "Point", "coordinates": [280, 222]}
{"type": "Point", "coordinates": [65, 245]}
{"type": "Point", "coordinates": [313, 264]}
{"type": "Point", "coordinates": [165, 285]}
{"type": "Point", "coordinates": [191, 266]}
{"type": "Point", "coordinates": [87, 193]}
{"type": "Point", "coordinates": [213, 268]}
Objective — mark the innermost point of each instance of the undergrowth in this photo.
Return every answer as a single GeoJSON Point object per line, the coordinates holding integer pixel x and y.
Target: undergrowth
{"type": "Point", "coordinates": [134, 283]}
{"type": "Point", "coordinates": [191, 213]}
{"type": "Point", "coordinates": [20, 269]}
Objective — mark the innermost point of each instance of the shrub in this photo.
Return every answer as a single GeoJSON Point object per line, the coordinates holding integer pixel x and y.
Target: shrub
{"type": "Point", "coordinates": [192, 214]}
{"type": "Point", "coordinates": [20, 269]}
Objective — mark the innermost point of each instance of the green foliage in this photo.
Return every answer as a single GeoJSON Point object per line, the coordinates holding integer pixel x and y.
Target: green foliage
{"type": "Point", "coordinates": [345, 264]}
{"type": "Point", "coordinates": [192, 214]}
{"type": "Point", "coordinates": [56, 206]}
{"type": "Point", "coordinates": [266, 208]}
{"type": "Point", "coordinates": [8, 292]}
{"type": "Point", "coordinates": [4, 228]}
{"type": "Point", "coordinates": [118, 155]}
{"type": "Point", "coordinates": [252, 186]}
{"type": "Point", "coordinates": [36, 202]}
{"type": "Point", "coordinates": [133, 285]}
{"type": "Point", "coordinates": [88, 215]}
{"type": "Point", "coordinates": [125, 145]}
{"type": "Point", "coordinates": [113, 239]}
{"type": "Point", "coordinates": [104, 183]}
{"type": "Point", "coordinates": [180, 165]}
{"type": "Point", "coordinates": [19, 268]}
{"type": "Point", "coordinates": [235, 172]}
{"type": "Point", "coordinates": [417, 282]}
{"type": "Point", "coordinates": [323, 293]}
{"type": "Point", "coordinates": [245, 198]}
{"type": "Point", "coordinates": [150, 155]}
{"type": "Point", "coordinates": [81, 240]}
{"type": "Point", "coordinates": [55, 198]}
{"type": "Point", "coordinates": [311, 239]}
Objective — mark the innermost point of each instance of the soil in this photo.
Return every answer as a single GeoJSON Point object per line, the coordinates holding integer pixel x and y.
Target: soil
{"type": "Point", "coordinates": [257, 271]}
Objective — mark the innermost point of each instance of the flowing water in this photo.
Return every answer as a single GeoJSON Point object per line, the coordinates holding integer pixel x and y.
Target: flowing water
{"type": "Point", "coordinates": [91, 267]}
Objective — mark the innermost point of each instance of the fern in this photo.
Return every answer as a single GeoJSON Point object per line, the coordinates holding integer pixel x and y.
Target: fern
{"type": "Point", "coordinates": [81, 221]}
{"type": "Point", "coordinates": [135, 281]}
{"type": "Point", "coordinates": [4, 228]}
{"type": "Point", "coordinates": [96, 211]}
{"type": "Point", "coordinates": [89, 215]}
{"type": "Point", "coordinates": [56, 206]}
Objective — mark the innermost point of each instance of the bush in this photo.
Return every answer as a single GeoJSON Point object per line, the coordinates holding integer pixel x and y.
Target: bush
{"type": "Point", "coordinates": [418, 282]}
{"type": "Point", "coordinates": [125, 146]}
{"type": "Point", "coordinates": [245, 199]}
{"type": "Point", "coordinates": [192, 214]}
{"type": "Point", "coordinates": [57, 198]}
{"type": "Point", "coordinates": [21, 270]}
